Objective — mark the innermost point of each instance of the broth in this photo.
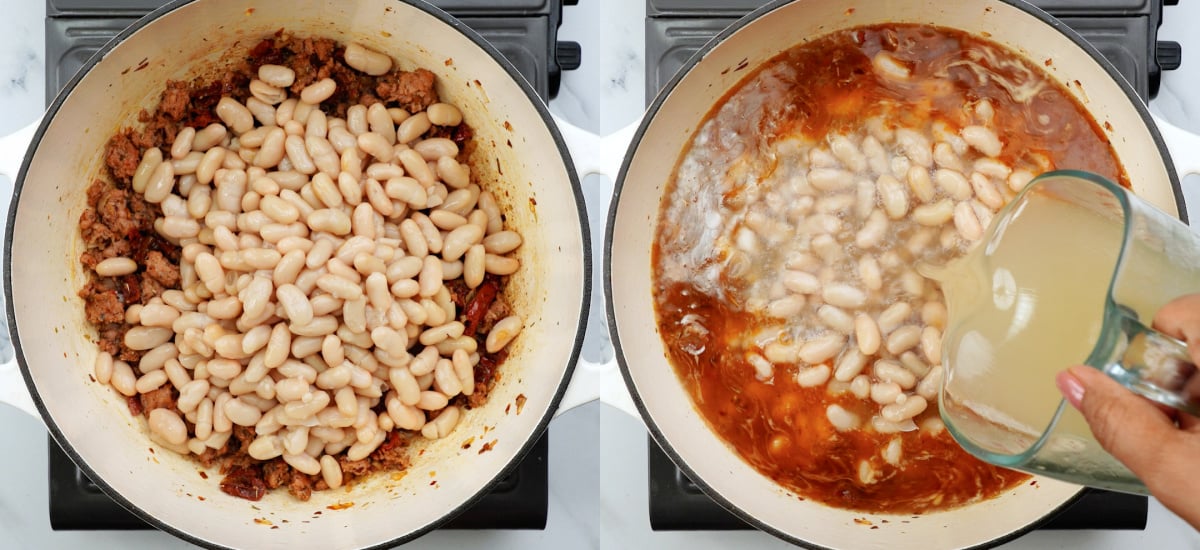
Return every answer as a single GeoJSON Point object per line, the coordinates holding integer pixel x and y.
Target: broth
{"type": "Point", "coordinates": [788, 238]}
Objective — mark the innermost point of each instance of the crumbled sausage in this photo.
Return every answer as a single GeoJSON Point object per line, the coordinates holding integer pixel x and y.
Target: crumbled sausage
{"type": "Point", "coordinates": [101, 305]}
{"type": "Point", "coordinates": [300, 486]}
{"type": "Point", "coordinates": [410, 90]}
{"type": "Point", "coordinates": [161, 270]}
{"type": "Point", "coordinates": [121, 156]}
{"type": "Point", "coordinates": [276, 473]}
{"type": "Point", "coordinates": [162, 398]}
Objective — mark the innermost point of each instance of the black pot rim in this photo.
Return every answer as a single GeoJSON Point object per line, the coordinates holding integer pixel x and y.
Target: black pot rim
{"type": "Point", "coordinates": [622, 358]}
{"type": "Point", "coordinates": [531, 438]}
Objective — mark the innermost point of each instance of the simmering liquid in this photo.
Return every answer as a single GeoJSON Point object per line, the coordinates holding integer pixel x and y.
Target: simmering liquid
{"type": "Point", "coordinates": [784, 261]}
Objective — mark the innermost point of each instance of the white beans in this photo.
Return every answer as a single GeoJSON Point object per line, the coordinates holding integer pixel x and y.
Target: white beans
{"type": "Point", "coordinates": [502, 333]}
{"type": "Point", "coordinates": [842, 419]}
{"type": "Point", "coordinates": [116, 267]}
{"type": "Point", "coordinates": [843, 295]}
{"type": "Point", "coordinates": [982, 139]}
{"type": "Point", "coordinates": [444, 114]}
{"type": "Point", "coordinates": [167, 425]}
{"type": "Point", "coordinates": [367, 61]}
{"type": "Point", "coordinates": [317, 254]}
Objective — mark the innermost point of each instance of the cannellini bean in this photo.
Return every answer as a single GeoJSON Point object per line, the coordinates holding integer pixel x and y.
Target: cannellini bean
{"type": "Point", "coordinates": [967, 222]}
{"type": "Point", "coordinates": [867, 333]}
{"type": "Point", "coordinates": [916, 146]}
{"type": "Point", "coordinates": [953, 182]}
{"type": "Point", "coordinates": [444, 114]}
{"type": "Point", "coordinates": [151, 159]}
{"type": "Point", "coordinates": [1018, 179]}
{"type": "Point", "coordinates": [235, 115]}
{"type": "Point", "coordinates": [116, 267]}
{"type": "Point", "coordinates": [893, 316]}
{"type": "Point", "coordinates": [318, 91]}
{"type": "Point", "coordinates": [920, 183]}
{"type": "Point", "coordinates": [842, 419]}
{"type": "Point", "coordinates": [903, 339]}
{"type": "Point", "coordinates": [821, 348]}
{"type": "Point", "coordinates": [934, 214]}
{"type": "Point", "coordinates": [983, 140]}
{"type": "Point", "coordinates": [899, 412]}
{"type": "Point", "coordinates": [830, 179]}
{"type": "Point", "coordinates": [458, 241]}
{"type": "Point", "coordinates": [890, 371]}
{"type": "Point", "coordinates": [931, 344]}
{"type": "Point", "coordinates": [413, 128]}
{"type": "Point", "coordinates": [843, 295]}
{"type": "Point", "coordinates": [945, 157]}
{"type": "Point", "coordinates": [836, 318]}
{"type": "Point", "coordinates": [885, 393]}
{"type": "Point", "coordinates": [801, 282]}
{"type": "Point", "coordinates": [869, 273]}
{"type": "Point", "coordinates": [811, 377]}
{"type": "Point", "coordinates": [167, 425]}
{"type": "Point", "coordinates": [502, 333]}
{"type": "Point", "coordinates": [368, 61]}
{"type": "Point", "coordinates": [442, 425]}
{"type": "Point", "coordinates": [873, 231]}
{"type": "Point", "coordinates": [932, 383]}
{"type": "Point", "coordinates": [893, 196]}
{"type": "Point", "coordinates": [276, 75]}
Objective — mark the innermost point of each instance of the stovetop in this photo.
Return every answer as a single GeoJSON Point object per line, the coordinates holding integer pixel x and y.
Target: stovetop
{"type": "Point", "coordinates": [525, 32]}
{"type": "Point", "coordinates": [1124, 31]}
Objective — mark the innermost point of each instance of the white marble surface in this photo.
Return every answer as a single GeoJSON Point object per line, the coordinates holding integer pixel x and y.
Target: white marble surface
{"type": "Point", "coordinates": [598, 455]}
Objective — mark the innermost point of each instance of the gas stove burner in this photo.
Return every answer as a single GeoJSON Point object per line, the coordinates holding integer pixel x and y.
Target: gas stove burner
{"type": "Point", "coordinates": [525, 32]}
{"type": "Point", "coordinates": [1124, 31]}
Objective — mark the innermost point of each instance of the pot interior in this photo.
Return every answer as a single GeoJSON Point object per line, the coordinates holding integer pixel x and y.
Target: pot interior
{"type": "Point", "coordinates": [519, 157]}
{"type": "Point", "coordinates": [670, 124]}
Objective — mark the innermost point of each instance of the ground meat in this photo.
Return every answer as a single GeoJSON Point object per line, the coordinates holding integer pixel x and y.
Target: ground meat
{"type": "Point", "coordinates": [276, 473]}
{"type": "Point", "coordinates": [244, 435]}
{"type": "Point", "coordinates": [353, 468]}
{"type": "Point", "coordinates": [135, 405]}
{"type": "Point", "coordinates": [161, 270]}
{"type": "Point", "coordinates": [101, 306]}
{"type": "Point", "coordinates": [175, 100]}
{"type": "Point", "coordinates": [162, 398]}
{"type": "Point", "coordinates": [392, 454]}
{"type": "Point", "coordinates": [410, 90]}
{"type": "Point", "coordinates": [479, 397]}
{"type": "Point", "coordinates": [115, 211]}
{"type": "Point", "coordinates": [151, 288]}
{"type": "Point", "coordinates": [121, 156]}
{"type": "Point", "coordinates": [301, 486]}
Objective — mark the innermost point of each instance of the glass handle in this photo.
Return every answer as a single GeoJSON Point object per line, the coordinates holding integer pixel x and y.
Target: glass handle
{"type": "Point", "coordinates": [1158, 367]}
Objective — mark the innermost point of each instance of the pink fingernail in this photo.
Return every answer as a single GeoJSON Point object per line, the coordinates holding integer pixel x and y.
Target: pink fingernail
{"type": "Point", "coordinates": [1070, 387]}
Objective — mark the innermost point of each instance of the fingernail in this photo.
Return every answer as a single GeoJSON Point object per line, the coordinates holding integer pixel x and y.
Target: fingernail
{"type": "Point", "coordinates": [1070, 387]}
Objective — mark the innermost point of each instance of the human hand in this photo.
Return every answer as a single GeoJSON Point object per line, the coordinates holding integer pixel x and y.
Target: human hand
{"type": "Point", "coordinates": [1161, 447]}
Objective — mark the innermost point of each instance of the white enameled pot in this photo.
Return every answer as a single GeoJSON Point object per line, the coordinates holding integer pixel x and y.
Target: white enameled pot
{"type": "Point", "coordinates": [520, 154]}
{"type": "Point", "coordinates": [663, 136]}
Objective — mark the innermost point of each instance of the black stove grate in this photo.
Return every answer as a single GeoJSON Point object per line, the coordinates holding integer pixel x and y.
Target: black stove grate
{"type": "Point", "coordinates": [525, 32]}
{"type": "Point", "coordinates": [1124, 31]}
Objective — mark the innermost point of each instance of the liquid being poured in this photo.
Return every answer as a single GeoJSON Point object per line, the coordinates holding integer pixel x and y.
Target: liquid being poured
{"type": "Point", "coordinates": [1026, 303]}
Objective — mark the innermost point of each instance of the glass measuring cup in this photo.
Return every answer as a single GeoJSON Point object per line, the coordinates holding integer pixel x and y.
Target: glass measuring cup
{"type": "Point", "coordinates": [1071, 271]}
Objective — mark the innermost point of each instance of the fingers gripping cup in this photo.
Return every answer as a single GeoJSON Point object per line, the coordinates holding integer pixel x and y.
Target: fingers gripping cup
{"type": "Point", "coordinates": [1071, 271]}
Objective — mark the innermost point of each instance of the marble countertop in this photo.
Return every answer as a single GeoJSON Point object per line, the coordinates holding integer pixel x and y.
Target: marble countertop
{"type": "Point", "coordinates": [598, 489]}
